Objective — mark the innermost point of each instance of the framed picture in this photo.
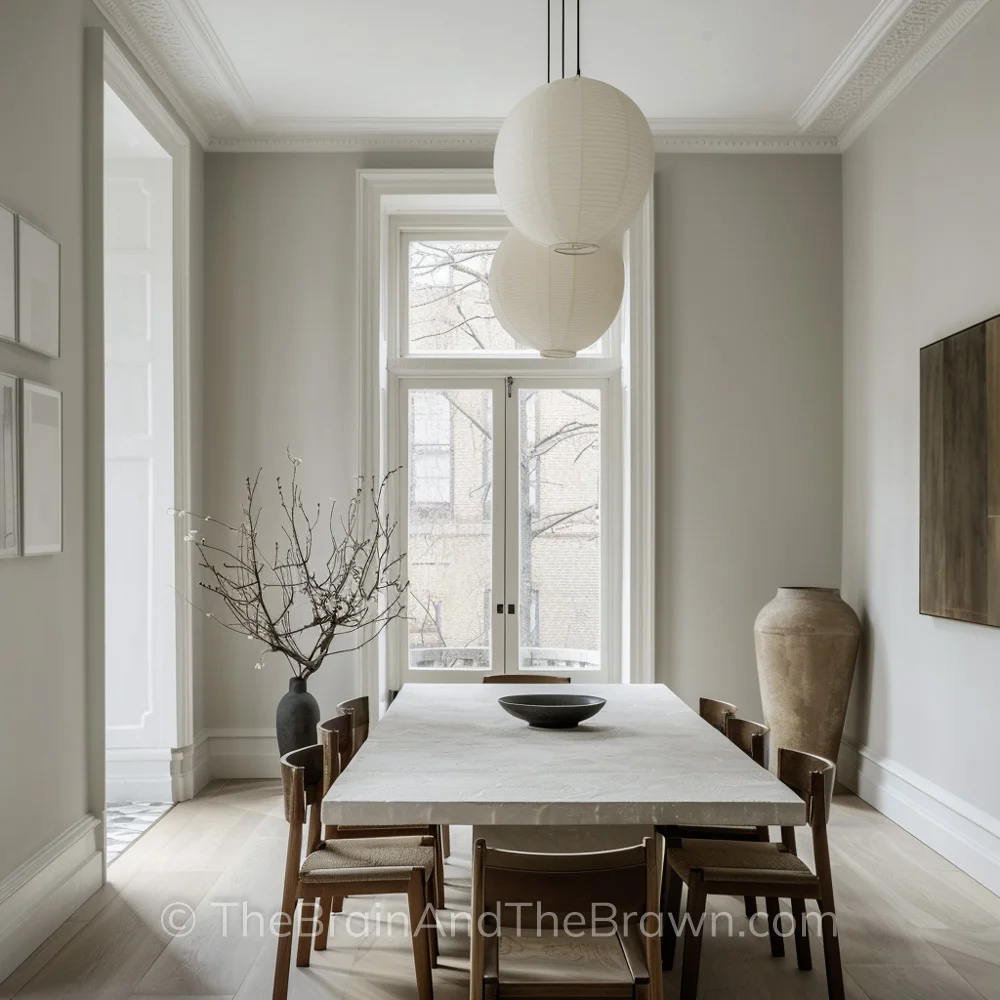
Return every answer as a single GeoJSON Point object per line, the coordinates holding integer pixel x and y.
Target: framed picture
{"type": "Point", "coordinates": [10, 468]}
{"type": "Point", "coordinates": [8, 274]}
{"type": "Point", "coordinates": [41, 466]}
{"type": "Point", "coordinates": [37, 289]}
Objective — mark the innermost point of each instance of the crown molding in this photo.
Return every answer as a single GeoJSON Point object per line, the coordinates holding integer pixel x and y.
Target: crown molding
{"type": "Point", "coordinates": [946, 33]}
{"type": "Point", "coordinates": [874, 70]}
{"type": "Point", "coordinates": [175, 44]}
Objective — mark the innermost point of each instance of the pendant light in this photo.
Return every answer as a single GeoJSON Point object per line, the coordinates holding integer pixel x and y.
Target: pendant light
{"type": "Point", "coordinates": [557, 303]}
{"type": "Point", "coordinates": [573, 161]}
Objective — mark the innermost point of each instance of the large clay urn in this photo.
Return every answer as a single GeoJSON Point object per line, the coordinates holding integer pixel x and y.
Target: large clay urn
{"type": "Point", "coordinates": [807, 641]}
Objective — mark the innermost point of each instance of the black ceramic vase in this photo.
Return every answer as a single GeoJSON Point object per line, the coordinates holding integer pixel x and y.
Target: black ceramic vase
{"type": "Point", "coordinates": [297, 717]}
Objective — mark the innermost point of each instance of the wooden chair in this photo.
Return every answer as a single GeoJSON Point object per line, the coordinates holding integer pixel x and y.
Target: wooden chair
{"type": "Point", "coordinates": [751, 738]}
{"type": "Point", "coordinates": [525, 679]}
{"type": "Point", "coordinates": [332, 870]}
{"type": "Point", "coordinates": [356, 709]}
{"type": "Point", "coordinates": [715, 712]}
{"type": "Point", "coordinates": [729, 868]}
{"type": "Point", "coordinates": [521, 963]}
{"type": "Point", "coordinates": [335, 737]}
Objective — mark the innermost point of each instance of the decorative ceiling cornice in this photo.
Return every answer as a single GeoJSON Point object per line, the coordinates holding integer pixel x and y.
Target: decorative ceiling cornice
{"type": "Point", "coordinates": [175, 43]}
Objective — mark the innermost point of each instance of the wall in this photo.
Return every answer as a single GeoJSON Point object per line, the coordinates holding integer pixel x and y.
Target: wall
{"type": "Point", "coordinates": [748, 395]}
{"type": "Point", "coordinates": [51, 712]}
{"type": "Point", "coordinates": [921, 217]}
{"type": "Point", "coordinates": [748, 390]}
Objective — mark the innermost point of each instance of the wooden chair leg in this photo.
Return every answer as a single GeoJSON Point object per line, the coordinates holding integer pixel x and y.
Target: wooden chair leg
{"type": "Point", "coordinates": [432, 929]}
{"type": "Point", "coordinates": [750, 905]}
{"type": "Point", "coordinates": [311, 911]}
{"type": "Point", "coordinates": [283, 960]}
{"type": "Point", "coordinates": [831, 950]}
{"type": "Point", "coordinates": [671, 914]}
{"type": "Point", "coordinates": [416, 897]}
{"type": "Point", "coordinates": [773, 929]}
{"type": "Point", "coordinates": [693, 933]}
{"type": "Point", "coordinates": [803, 955]}
{"type": "Point", "coordinates": [321, 935]}
{"type": "Point", "coordinates": [439, 869]}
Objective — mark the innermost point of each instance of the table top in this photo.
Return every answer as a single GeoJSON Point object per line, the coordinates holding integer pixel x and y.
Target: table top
{"type": "Point", "coordinates": [448, 753]}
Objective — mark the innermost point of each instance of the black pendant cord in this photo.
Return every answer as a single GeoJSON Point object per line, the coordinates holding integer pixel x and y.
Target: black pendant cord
{"type": "Point", "coordinates": [577, 37]}
{"type": "Point", "coordinates": [548, 42]}
{"type": "Point", "coordinates": [562, 24]}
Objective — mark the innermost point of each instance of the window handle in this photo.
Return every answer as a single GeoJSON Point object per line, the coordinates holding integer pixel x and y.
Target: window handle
{"type": "Point", "coordinates": [510, 609]}
{"type": "Point", "coordinates": [499, 609]}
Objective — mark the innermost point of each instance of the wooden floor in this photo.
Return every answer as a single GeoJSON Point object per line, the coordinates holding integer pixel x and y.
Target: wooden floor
{"type": "Point", "coordinates": [912, 926]}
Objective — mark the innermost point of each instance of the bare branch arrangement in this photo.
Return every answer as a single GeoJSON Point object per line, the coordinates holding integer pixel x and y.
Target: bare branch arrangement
{"type": "Point", "coordinates": [295, 603]}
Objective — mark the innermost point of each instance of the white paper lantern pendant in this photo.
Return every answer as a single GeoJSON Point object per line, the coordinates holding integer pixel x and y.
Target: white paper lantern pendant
{"type": "Point", "coordinates": [572, 164]}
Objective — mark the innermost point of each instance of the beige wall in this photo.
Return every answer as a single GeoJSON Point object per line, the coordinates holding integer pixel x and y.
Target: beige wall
{"type": "Point", "coordinates": [921, 218]}
{"type": "Point", "coordinates": [748, 394]}
{"type": "Point", "coordinates": [748, 387]}
{"type": "Point", "coordinates": [52, 689]}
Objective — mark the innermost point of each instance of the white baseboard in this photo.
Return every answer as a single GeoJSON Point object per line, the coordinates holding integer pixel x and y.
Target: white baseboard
{"type": "Point", "coordinates": [243, 753]}
{"type": "Point", "coordinates": [36, 898]}
{"type": "Point", "coordinates": [156, 774]}
{"type": "Point", "coordinates": [956, 829]}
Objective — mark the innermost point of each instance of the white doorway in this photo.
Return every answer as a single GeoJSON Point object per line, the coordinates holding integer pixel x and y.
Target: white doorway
{"type": "Point", "coordinates": [148, 712]}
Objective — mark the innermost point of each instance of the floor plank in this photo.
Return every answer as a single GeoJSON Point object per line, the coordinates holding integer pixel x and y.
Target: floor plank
{"type": "Point", "coordinates": [913, 927]}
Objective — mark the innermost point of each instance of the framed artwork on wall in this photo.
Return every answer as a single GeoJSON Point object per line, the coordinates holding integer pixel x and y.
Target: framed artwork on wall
{"type": "Point", "coordinates": [41, 465]}
{"type": "Point", "coordinates": [8, 274]}
{"type": "Point", "coordinates": [37, 289]}
{"type": "Point", "coordinates": [10, 468]}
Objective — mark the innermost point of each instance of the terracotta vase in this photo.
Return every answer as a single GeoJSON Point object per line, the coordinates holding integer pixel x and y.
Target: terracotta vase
{"type": "Point", "coordinates": [807, 641]}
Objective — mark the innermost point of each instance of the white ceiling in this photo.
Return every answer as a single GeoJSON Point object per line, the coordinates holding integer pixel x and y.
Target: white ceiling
{"type": "Point", "coordinates": [800, 71]}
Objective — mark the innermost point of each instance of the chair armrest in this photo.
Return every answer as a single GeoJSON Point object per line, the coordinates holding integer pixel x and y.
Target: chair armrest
{"type": "Point", "coordinates": [634, 956]}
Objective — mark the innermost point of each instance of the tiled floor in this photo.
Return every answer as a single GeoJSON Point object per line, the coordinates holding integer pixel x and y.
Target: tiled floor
{"type": "Point", "coordinates": [128, 821]}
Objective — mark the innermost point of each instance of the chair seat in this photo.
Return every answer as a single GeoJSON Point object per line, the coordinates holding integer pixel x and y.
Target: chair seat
{"type": "Point", "coordinates": [730, 860]}
{"type": "Point", "coordinates": [343, 859]}
{"type": "Point", "coordinates": [545, 960]}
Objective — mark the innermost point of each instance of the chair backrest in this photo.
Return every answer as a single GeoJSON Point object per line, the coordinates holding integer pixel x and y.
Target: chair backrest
{"type": "Point", "coordinates": [750, 737]}
{"type": "Point", "coordinates": [563, 883]}
{"type": "Point", "coordinates": [525, 679]}
{"type": "Point", "coordinates": [812, 778]}
{"type": "Point", "coordinates": [335, 736]}
{"type": "Point", "coordinates": [302, 783]}
{"type": "Point", "coordinates": [715, 712]}
{"type": "Point", "coordinates": [357, 710]}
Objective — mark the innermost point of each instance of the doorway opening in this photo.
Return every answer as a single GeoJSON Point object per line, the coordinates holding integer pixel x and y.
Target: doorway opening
{"type": "Point", "coordinates": [147, 622]}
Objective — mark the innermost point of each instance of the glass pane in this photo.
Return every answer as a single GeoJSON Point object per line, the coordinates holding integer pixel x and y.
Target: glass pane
{"type": "Point", "coordinates": [560, 529]}
{"type": "Point", "coordinates": [449, 301]}
{"type": "Point", "coordinates": [450, 544]}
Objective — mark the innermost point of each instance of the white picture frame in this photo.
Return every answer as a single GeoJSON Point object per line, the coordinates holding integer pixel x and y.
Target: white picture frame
{"type": "Point", "coordinates": [10, 466]}
{"type": "Point", "coordinates": [8, 274]}
{"type": "Point", "coordinates": [38, 300]}
{"type": "Point", "coordinates": [41, 469]}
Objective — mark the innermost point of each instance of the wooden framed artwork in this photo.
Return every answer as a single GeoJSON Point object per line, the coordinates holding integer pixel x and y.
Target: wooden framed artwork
{"type": "Point", "coordinates": [41, 466]}
{"type": "Point", "coordinates": [960, 475]}
{"type": "Point", "coordinates": [37, 289]}
{"type": "Point", "coordinates": [10, 468]}
{"type": "Point", "coordinates": [8, 274]}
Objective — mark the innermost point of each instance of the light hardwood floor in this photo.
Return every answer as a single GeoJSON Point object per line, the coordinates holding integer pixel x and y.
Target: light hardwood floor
{"type": "Point", "coordinates": [913, 927]}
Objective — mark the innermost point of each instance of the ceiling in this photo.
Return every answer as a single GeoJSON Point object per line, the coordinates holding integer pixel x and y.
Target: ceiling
{"type": "Point", "coordinates": [798, 74]}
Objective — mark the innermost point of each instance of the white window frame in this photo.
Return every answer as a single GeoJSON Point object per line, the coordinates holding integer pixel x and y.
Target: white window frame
{"type": "Point", "coordinates": [389, 200]}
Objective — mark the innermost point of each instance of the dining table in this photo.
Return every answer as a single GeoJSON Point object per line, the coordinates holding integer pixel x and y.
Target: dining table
{"type": "Point", "coordinates": [449, 754]}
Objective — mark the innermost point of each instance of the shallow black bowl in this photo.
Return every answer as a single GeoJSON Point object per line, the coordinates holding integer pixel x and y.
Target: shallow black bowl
{"type": "Point", "coordinates": [552, 711]}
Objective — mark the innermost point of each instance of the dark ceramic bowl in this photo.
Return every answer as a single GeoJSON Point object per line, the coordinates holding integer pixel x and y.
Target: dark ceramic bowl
{"type": "Point", "coordinates": [552, 711]}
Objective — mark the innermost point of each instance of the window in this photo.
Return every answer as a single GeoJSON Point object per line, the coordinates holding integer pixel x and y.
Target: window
{"type": "Point", "coordinates": [544, 460]}
{"type": "Point", "coordinates": [430, 453]}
